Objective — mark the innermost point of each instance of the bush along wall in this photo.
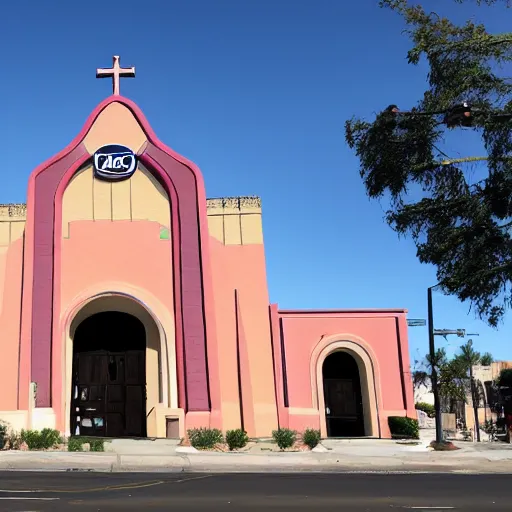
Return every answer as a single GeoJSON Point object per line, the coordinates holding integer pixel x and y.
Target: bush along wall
{"type": "Point", "coordinates": [284, 438]}
{"type": "Point", "coordinates": [3, 435]}
{"type": "Point", "coordinates": [76, 444]}
{"type": "Point", "coordinates": [41, 440]}
{"type": "Point", "coordinates": [205, 438]}
{"type": "Point", "coordinates": [311, 437]}
{"type": "Point", "coordinates": [429, 409]}
{"type": "Point", "coordinates": [403, 428]}
{"type": "Point", "coordinates": [236, 439]}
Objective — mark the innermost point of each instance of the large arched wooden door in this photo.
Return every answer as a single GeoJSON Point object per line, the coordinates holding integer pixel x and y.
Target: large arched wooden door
{"type": "Point", "coordinates": [343, 396]}
{"type": "Point", "coordinates": [109, 377]}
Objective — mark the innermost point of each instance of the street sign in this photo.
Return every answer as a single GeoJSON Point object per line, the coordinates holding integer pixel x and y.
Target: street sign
{"type": "Point", "coordinates": [416, 322]}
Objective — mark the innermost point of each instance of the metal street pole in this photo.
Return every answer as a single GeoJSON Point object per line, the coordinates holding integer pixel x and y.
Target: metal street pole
{"type": "Point", "coordinates": [432, 350]}
{"type": "Point", "coordinates": [474, 398]}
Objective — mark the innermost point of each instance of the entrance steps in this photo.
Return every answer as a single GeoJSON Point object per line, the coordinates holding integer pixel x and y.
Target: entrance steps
{"type": "Point", "coordinates": [142, 446]}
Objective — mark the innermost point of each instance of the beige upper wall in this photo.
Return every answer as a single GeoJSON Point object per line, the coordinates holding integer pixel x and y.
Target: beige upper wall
{"type": "Point", "coordinates": [12, 223]}
{"type": "Point", "coordinates": [231, 220]}
{"type": "Point", "coordinates": [140, 197]}
{"type": "Point", "coordinates": [235, 220]}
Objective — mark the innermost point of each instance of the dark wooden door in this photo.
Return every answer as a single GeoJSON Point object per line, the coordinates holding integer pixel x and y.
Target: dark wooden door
{"type": "Point", "coordinates": [109, 394]}
{"type": "Point", "coordinates": [344, 408]}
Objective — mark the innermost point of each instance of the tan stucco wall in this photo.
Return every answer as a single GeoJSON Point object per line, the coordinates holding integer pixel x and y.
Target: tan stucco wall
{"type": "Point", "coordinates": [12, 224]}
{"type": "Point", "coordinates": [235, 220]}
{"type": "Point", "coordinates": [139, 198]}
{"type": "Point", "coordinates": [483, 374]}
{"type": "Point", "coordinates": [231, 220]}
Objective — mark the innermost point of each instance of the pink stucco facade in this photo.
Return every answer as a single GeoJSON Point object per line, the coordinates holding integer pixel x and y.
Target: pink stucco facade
{"type": "Point", "coordinates": [215, 353]}
{"type": "Point", "coordinates": [307, 337]}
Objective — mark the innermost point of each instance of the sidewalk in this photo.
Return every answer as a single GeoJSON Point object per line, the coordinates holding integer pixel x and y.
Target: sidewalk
{"type": "Point", "coordinates": [331, 456]}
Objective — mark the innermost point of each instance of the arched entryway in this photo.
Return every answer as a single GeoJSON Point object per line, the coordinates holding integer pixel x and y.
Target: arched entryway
{"type": "Point", "coordinates": [343, 396]}
{"type": "Point", "coordinates": [109, 376]}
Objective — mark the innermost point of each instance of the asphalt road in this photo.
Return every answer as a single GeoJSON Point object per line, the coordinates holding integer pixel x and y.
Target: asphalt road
{"type": "Point", "coordinates": [109, 492]}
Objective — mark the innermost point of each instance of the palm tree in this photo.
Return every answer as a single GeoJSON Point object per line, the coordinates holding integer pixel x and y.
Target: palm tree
{"type": "Point", "coordinates": [470, 357]}
{"type": "Point", "coordinates": [486, 359]}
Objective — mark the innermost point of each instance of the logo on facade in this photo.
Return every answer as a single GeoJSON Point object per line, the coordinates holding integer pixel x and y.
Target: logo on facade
{"type": "Point", "coordinates": [114, 162]}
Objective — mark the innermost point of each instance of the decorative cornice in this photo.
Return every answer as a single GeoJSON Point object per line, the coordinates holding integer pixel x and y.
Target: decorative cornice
{"type": "Point", "coordinates": [234, 202]}
{"type": "Point", "coordinates": [215, 203]}
{"type": "Point", "coordinates": [15, 210]}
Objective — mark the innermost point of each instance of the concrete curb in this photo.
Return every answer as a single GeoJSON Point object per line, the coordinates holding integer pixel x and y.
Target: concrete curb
{"type": "Point", "coordinates": [241, 462]}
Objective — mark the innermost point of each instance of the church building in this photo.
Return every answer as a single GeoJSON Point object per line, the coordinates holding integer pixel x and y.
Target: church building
{"type": "Point", "coordinates": [133, 306]}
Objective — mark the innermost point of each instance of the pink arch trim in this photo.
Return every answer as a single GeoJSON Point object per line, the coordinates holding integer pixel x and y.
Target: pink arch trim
{"type": "Point", "coordinates": [144, 299]}
{"type": "Point", "coordinates": [72, 157]}
{"type": "Point", "coordinates": [353, 343]}
{"type": "Point", "coordinates": [331, 340]}
{"type": "Point", "coordinates": [138, 114]}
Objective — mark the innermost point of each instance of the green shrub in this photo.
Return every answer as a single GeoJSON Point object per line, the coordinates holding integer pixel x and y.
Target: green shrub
{"type": "Point", "coordinates": [284, 437]}
{"type": "Point", "coordinates": [40, 440]}
{"type": "Point", "coordinates": [75, 444]}
{"type": "Point", "coordinates": [427, 408]}
{"type": "Point", "coordinates": [97, 445]}
{"type": "Point", "coordinates": [311, 437]}
{"type": "Point", "coordinates": [13, 441]}
{"type": "Point", "coordinates": [50, 438]}
{"type": "Point", "coordinates": [237, 438]}
{"type": "Point", "coordinates": [3, 434]}
{"type": "Point", "coordinates": [32, 438]}
{"type": "Point", "coordinates": [205, 438]}
{"type": "Point", "coordinates": [404, 427]}
{"type": "Point", "coordinates": [505, 378]}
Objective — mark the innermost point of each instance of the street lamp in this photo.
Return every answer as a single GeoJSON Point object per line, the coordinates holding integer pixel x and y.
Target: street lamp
{"type": "Point", "coordinates": [433, 376]}
{"type": "Point", "coordinates": [432, 333]}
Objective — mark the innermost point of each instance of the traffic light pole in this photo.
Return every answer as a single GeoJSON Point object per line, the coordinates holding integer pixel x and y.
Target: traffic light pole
{"type": "Point", "coordinates": [432, 351]}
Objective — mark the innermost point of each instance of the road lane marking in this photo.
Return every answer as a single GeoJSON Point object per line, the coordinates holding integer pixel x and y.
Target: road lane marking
{"type": "Point", "coordinates": [26, 499]}
{"type": "Point", "coordinates": [121, 487]}
{"type": "Point", "coordinates": [94, 489]}
{"type": "Point", "coordinates": [12, 491]}
{"type": "Point", "coordinates": [188, 479]}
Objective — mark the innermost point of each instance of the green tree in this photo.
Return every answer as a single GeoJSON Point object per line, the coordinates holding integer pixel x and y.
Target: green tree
{"type": "Point", "coordinates": [455, 376]}
{"type": "Point", "coordinates": [462, 223]}
{"type": "Point", "coordinates": [469, 357]}
{"type": "Point", "coordinates": [452, 377]}
{"type": "Point", "coordinates": [420, 378]}
{"type": "Point", "coordinates": [488, 2]}
{"type": "Point", "coordinates": [486, 359]}
{"type": "Point", "coordinates": [505, 377]}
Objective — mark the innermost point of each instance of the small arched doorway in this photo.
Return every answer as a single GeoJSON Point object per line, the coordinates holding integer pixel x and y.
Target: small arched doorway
{"type": "Point", "coordinates": [343, 396]}
{"type": "Point", "coordinates": [109, 376]}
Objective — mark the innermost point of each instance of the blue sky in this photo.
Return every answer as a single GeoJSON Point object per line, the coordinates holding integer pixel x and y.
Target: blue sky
{"type": "Point", "coordinates": [256, 92]}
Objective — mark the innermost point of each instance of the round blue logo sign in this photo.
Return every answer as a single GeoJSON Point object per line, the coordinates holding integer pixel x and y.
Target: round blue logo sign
{"type": "Point", "coordinates": [114, 162]}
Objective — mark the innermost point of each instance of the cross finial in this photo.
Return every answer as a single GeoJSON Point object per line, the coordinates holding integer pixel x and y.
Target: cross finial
{"type": "Point", "coordinates": [115, 72]}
